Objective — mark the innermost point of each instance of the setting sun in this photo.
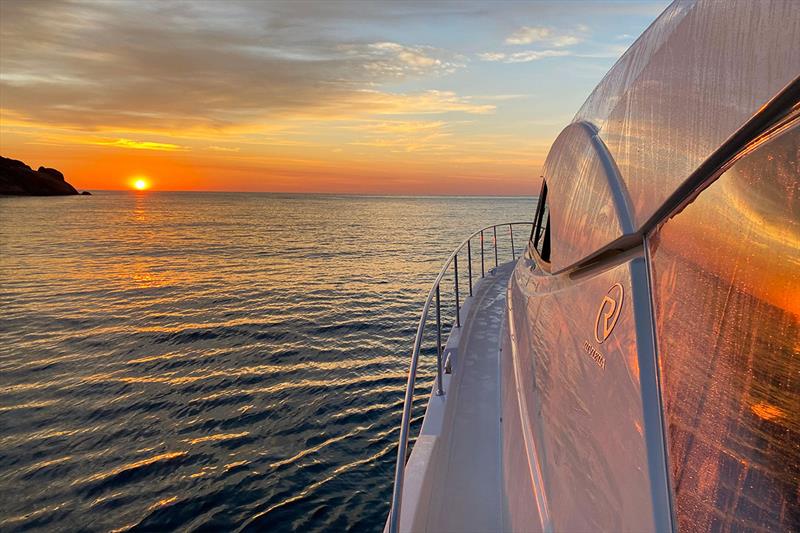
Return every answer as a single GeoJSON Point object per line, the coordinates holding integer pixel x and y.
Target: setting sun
{"type": "Point", "coordinates": [141, 184]}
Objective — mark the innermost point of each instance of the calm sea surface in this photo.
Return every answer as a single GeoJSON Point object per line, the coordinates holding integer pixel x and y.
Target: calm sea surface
{"type": "Point", "coordinates": [203, 361]}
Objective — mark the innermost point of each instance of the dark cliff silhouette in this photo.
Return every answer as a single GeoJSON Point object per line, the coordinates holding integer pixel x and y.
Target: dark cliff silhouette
{"type": "Point", "coordinates": [17, 178]}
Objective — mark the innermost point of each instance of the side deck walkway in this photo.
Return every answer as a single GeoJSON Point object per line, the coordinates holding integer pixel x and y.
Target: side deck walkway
{"type": "Point", "coordinates": [466, 471]}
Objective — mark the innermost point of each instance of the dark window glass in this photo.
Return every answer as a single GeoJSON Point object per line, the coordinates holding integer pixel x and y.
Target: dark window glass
{"type": "Point", "coordinates": [541, 226]}
{"type": "Point", "coordinates": [544, 250]}
{"type": "Point", "coordinates": [726, 294]}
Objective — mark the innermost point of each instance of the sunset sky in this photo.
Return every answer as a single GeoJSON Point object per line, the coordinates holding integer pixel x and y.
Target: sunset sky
{"type": "Point", "coordinates": [339, 97]}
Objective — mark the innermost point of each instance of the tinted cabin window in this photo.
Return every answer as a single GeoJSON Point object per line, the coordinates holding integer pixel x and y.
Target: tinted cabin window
{"type": "Point", "coordinates": [726, 291]}
{"type": "Point", "coordinates": [541, 228]}
{"type": "Point", "coordinates": [544, 250]}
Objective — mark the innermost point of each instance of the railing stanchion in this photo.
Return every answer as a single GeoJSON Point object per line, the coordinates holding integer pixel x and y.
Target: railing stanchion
{"type": "Point", "coordinates": [439, 389]}
{"type": "Point", "coordinates": [469, 265]}
{"type": "Point", "coordinates": [513, 252]}
{"type": "Point", "coordinates": [408, 399]}
{"type": "Point", "coordinates": [494, 229]}
{"type": "Point", "coordinates": [483, 270]}
{"type": "Point", "coordinates": [458, 308]}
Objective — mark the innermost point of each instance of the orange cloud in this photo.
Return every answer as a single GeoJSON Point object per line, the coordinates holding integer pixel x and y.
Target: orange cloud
{"type": "Point", "coordinates": [140, 145]}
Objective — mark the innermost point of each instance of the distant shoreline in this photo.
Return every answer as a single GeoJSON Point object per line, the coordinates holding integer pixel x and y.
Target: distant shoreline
{"type": "Point", "coordinates": [18, 179]}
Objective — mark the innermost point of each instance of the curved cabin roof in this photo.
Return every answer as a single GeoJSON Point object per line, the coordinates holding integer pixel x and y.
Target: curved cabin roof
{"type": "Point", "coordinates": [692, 79]}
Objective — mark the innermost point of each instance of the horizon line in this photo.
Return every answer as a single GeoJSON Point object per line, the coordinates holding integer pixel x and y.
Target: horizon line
{"type": "Point", "coordinates": [310, 193]}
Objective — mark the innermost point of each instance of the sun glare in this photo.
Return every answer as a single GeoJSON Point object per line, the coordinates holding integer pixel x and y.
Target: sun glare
{"type": "Point", "coordinates": [140, 184]}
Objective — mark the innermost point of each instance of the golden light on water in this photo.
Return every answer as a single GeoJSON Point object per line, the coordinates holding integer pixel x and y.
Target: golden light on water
{"type": "Point", "coordinates": [141, 184]}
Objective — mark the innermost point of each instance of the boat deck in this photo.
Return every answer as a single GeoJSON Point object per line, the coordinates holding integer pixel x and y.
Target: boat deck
{"type": "Point", "coordinates": [464, 474]}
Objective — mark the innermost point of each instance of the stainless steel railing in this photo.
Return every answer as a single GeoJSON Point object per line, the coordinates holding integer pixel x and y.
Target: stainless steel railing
{"type": "Point", "coordinates": [399, 474]}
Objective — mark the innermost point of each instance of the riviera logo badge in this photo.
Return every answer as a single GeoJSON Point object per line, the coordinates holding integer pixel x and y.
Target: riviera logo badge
{"type": "Point", "coordinates": [604, 323]}
{"type": "Point", "coordinates": [608, 314]}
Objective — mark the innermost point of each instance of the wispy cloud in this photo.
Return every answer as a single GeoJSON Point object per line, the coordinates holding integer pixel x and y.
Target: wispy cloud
{"type": "Point", "coordinates": [492, 56]}
{"type": "Point", "coordinates": [215, 148]}
{"type": "Point", "coordinates": [399, 126]}
{"type": "Point", "coordinates": [139, 145]}
{"type": "Point", "coordinates": [528, 35]}
{"type": "Point", "coordinates": [423, 103]}
{"type": "Point", "coordinates": [523, 57]}
{"type": "Point", "coordinates": [396, 59]}
{"type": "Point", "coordinates": [548, 36]}
{"type": "Point", "coordinates": [415, 56]}
{"type": "Point", "coordinates": [226, 68]}
{"type": "Point", "coordinates": [556, 41]}
{"type": "Point", "coordinates": [403, 135]}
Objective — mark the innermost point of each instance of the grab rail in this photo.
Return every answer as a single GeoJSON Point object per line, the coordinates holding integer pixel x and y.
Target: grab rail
{"type": "Point", "coordinates": [399, 474]}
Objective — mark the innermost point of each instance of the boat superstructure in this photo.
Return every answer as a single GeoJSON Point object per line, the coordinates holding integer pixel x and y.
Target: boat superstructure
{"type": "Point", "coordinates": [637, 368]}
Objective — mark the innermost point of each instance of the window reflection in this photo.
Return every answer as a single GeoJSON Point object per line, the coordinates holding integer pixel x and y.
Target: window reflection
{"type": "Point", "coordinates": [726, 289]}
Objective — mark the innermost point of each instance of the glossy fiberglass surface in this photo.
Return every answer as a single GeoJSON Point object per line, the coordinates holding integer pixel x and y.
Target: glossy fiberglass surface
{"type": "Point", "coordinates": [581, 389]}
{"type": "Point", "coordinates": [580, 167]}
{"type": "Point", "coordinates": [721, 449]}
{"type": "Point", "coordinates": [687, 84]}
{"type": "Point", "coordinates": [726, 289]}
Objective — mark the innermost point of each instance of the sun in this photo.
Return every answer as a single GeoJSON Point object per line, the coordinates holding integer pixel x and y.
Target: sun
{"type": "Point", "coordinates": [140, 184]}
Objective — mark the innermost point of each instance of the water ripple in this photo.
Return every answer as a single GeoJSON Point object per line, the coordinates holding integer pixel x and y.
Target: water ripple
{"type": "Point", "coordinates": [213, 361]}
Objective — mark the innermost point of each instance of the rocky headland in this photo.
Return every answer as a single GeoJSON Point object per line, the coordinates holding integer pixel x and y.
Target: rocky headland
{"type": "Point", "coordinates": [18, 179]}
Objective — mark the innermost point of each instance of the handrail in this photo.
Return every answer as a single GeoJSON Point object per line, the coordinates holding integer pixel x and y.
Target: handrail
{"type": "Point", "coordinates": [399, 474]}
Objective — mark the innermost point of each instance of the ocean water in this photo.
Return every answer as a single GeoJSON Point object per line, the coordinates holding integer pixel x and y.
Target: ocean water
{"type": "Point", "coordinates": [205, 361]}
